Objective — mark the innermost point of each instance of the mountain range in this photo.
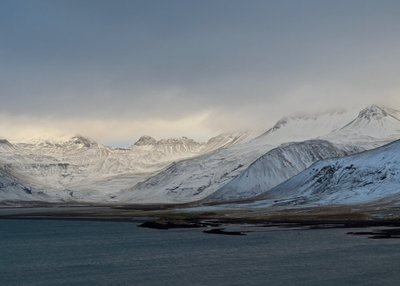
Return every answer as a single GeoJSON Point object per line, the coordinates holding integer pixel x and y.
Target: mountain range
{"type": "Point", "coordinates": [293, 159]}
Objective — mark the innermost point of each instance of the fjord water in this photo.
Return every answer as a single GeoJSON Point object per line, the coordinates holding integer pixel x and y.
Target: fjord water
{"type": "Point", "coordinates": [56, 252]}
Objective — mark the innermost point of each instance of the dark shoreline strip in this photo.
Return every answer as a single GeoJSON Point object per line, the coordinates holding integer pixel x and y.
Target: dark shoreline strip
{"type": "Point", "coordinates": [223, 231]}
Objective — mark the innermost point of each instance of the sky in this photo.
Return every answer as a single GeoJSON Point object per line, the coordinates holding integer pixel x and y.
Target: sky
{"type": "Point", "coordinates": [116, 70]}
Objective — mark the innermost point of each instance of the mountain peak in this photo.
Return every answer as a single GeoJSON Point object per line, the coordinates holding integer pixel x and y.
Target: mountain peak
{"type": "Point", "coordinates": [373, 112]}
{"type": "Point", "coordinates": [376, 113]}
{"type": "Point", "coordinates": [82, 140]}
{"type": "Point", "coordinates": [374, 126]}
{"type": "Point", "coordinates": [279, 124]}
{"type": "Point", "coordinates": [5, 145]}
{"type": "Point", "coordinates": [180, 140]}
{"type": "Point", "coordinates": [4, 141]}
{"type": "Point", "coordinates": [145, 140]}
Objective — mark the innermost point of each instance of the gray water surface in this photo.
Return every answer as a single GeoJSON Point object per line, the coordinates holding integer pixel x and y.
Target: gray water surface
{"type": "Point", "coordinates": [56, 252]}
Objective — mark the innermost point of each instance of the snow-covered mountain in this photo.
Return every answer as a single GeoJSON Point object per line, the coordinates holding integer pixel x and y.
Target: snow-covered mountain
{"type": "Point", "coordinates": [198, 178]}
{"type": "Point", "coordinates": [6, 146]}
{"type": "Point", "coordinates": [276, 166]}
{"type": "Point", "coordinates": [79, 168]}
{"type": "Point", "coordinates": [306, 126]}
{"type": "Point", "coordinates": [55, 166]}
{"type": "Point", "coordinates": [195, 179]}
{"type": "Point", "coordinates": [373, 127]}
{"type": "Point", "coordinates": [150, 151]}
{"type": "Point", "coordinates": [11, 189]}
{"type": "Point", "coordinates": [228, 166]}
{"type": "Point", "coordinates": [365, 177]}
{"type": "Point", "coordinates": [226, 140]}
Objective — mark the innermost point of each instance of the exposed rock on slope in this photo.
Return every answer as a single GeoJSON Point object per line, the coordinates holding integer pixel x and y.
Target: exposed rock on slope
{"type": "Point", "coordinates": [12, 190]}
{"type": "Point", "coordinates": [360, 178]}
{"type": "Point", "coordinates": [276, 166]}
{"type": "Point", "coordinates": [6, 146]}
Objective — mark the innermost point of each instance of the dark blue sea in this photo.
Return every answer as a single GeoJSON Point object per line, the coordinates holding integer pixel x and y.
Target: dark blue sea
{"type": "Point", "coordinates": [57, 252]}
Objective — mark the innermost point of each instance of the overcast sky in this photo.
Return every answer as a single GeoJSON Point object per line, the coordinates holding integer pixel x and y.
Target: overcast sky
{"type": "Point", "coordinates": [114, 70]}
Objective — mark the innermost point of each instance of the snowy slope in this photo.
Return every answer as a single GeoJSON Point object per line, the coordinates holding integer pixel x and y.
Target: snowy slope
{"type": "Point", "coordinates": [276, 166]}
{"type": "Point", "coordinates": [55, 166]}
{"type": "Point", "coordinates": [79, 168]}
{"type": "Point", "coordinates": [307, 126]}
{"type": "Point", "coordinates": [148, 150]}
{"type": "Point", "coordinates": [361, 178]}
{"type": "Point", "coordinates": [373, 127]}
{"type": "Point", "coordinates": [6, 146]}
{"type": "Point", "coordinates": [12, 190]}
{"type": "Point", "coordinates": [226, 140]}
{"type": "Point", "coordinates": [197, 178]}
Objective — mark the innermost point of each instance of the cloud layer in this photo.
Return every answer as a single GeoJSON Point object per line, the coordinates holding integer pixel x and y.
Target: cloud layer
{"type": "Point", "coordinates": [117, 69]}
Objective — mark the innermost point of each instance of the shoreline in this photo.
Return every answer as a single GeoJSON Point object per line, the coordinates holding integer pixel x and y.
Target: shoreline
{"type": "Point", "coordinates": [312, 215]}
{"type": "Point", "coordinates": [224, 220]}
{"type": "Point", "coordinates": [387, 229]}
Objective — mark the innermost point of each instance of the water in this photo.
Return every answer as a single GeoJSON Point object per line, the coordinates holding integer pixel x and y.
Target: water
{"type": "Point", "coordinates": [40, 252]}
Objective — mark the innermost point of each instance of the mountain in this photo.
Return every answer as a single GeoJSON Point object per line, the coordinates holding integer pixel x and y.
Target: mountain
{"type": "Point", "coordinates": [78, 168]}
{"type": "Point", "coordinates": [150, 151]}
{"type": "Point", "coordinates": [225, 140]}
{"type": "Point", "coordinates": [145, 141]}
{"type": "Point", "coordinates": [56, 165]}
{"type": "Point", "coordinates": [229, 166]}
{"type": "Point", "coordinates": [276, 166]}
{"type": "Point", "coordinates": [6, 146]}
{"type": "Point", "coordinates": [197, 178]}
{"type": "Point", "coordinates": [361, 178]}
{"type": "Point", "coordinates": [373, 127]}
{"type": "Point", "coordinates": [12, 190]}
{"type": "Point", "coordinates": [219, 175]}
{"type": "Point", "coordinates": [153, 151]}
{"type": "Point", "coordinates": [307, 126]}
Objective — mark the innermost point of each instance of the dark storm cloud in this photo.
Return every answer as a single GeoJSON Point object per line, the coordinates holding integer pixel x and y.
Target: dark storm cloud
{"type": "Point", "coordinates": [170, 59]}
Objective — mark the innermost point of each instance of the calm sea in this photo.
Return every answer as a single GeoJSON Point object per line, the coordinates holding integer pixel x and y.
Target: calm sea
{"type": "Point", "coordinates": [50, 252]}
